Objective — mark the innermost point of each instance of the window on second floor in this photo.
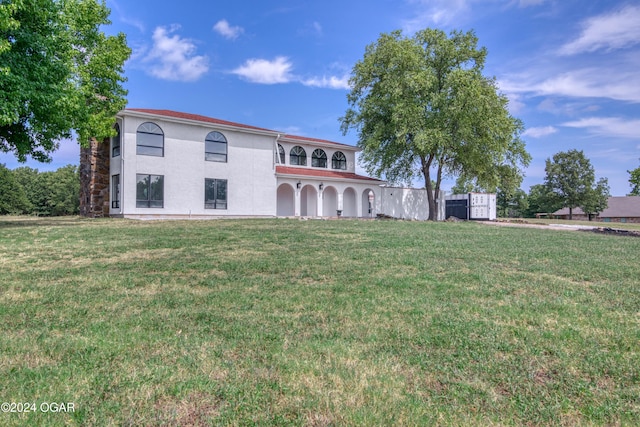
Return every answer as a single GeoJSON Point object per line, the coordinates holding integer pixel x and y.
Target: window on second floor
{"type": "Point", "coordinates": [339, 161]}
{"type": "Point", "coordinates": [215, 147]}
{"type": "Point", "coordinates": [150, 140]}
{"type": "Point", "coordinates": [297, 156]}
{"type": "Point", "coordinates": [281, 154]}
{"type": "Point", "coordinates": [115, 142]}
{"type": "Point", "coordinates": [319, 159]}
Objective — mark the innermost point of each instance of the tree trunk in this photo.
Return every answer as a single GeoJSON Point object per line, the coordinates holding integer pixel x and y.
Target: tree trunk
{"type": "Point", "coordinates": [570, 213]}
{"type": "Point", "coordinates": [426, 165]}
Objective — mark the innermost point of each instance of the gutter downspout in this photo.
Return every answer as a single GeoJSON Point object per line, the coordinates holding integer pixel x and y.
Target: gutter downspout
{"type": "Point", "coordinates": [122, 145]}
{"type": "Point", "coordinates": [276, 158]}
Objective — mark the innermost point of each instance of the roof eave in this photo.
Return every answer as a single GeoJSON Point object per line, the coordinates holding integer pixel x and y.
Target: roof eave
{"type": "Point", "coordinates": [220, 126]}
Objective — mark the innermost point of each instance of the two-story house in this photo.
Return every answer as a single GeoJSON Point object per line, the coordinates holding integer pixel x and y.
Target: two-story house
{"type": "Point", "coordinates": [167, 164]}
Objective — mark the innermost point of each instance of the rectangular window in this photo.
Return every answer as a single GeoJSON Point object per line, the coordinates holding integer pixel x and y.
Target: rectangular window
{"type": "Point", "coordinates": [215, 151]}
{"type": "Point", "coordinates": [115, 146]}
{"type": "Point", "coordinates": [150, 144]}
{"type": "Point", "coordinates": [215, 193]}
{"type": "Point", "coordinates": [115, 191]}
{"type": "Point", "coordinates": [149, 191]}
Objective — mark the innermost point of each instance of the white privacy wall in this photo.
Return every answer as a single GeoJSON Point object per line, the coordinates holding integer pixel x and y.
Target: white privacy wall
{"type": "Point", "coordinates": [408, 203]}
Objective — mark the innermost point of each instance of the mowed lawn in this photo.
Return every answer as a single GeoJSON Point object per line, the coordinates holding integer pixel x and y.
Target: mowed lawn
{"type": "Point", "coordinates": [288, 322]}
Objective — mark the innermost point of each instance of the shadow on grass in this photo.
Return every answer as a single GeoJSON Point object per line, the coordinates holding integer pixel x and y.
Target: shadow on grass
{"type": "Point", "coordinates": [31, 221]}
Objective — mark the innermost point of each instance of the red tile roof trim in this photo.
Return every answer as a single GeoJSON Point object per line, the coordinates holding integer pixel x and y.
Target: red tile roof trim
{"type": "Point", "coordinates": [205, 119]}
{"type": "Point", "coordinates": [194, 117]}
{"type": "Point", "coordinates": [322, 173]}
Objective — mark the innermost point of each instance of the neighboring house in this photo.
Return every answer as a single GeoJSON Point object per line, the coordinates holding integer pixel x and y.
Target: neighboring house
{"type": "Point", "coordinates": [167, 164]}
{"type": "Point", "coordinates": [619, 209]}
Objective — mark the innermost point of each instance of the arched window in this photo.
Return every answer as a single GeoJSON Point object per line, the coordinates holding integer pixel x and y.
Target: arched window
{"type": "Point", "coordinates": [281, 154]}
{"type": "Point", "coordinates": [150, 140]}
{"type": "Point", "coordinates": [297, 156]}
{"type": "Point", "coordinates": [319, 159]}
{"type": "Point", "coordinates": [215, 147]}
{"type": "Point", "coordinates": [339, 161]}
{"type": "Point", "coordinates": [115, 142]}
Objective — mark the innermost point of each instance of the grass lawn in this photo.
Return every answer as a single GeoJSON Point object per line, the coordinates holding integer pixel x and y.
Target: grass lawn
{"type": "Point", "coordinates": [287, 322]}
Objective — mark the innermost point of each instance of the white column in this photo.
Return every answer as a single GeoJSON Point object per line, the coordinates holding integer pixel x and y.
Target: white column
{"type": "Point", "coordinates": [296, 203]}
{"type": "Point", "coordinates": [319, 209]}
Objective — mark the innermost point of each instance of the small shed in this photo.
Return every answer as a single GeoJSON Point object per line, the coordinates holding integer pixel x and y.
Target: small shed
{"type": "Point", "coordinates": [473, 206]}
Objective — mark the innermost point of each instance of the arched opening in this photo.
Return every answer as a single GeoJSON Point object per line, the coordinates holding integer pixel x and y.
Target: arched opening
{"type": "Point", "coordinates": [329, 202]}
{"type": "Point", "coordinates": [308, 201]}
{"type": "Point", "coordinates": [285, 200]}
{"type": "Point", "coordinates": [368, 203]}
{"type": "Point", "coordinates": [349, 205]}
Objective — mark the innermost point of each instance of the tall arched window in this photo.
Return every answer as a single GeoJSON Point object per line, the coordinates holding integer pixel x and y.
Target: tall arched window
{"type": "Point", "coordinates": [319, 159]}
{"type": "Point", "coordinates": [281, 154]}
{"type": "Point", "coordinates": [297, 156]}
{"type": "Point", "coordinates": [215, 147]}
{"type": "Point", "coordinates": [115, 142]}
{"type": "Point", "coordinates": [339, 161]}
{"type": "Point", "coordinates": [150, 140]}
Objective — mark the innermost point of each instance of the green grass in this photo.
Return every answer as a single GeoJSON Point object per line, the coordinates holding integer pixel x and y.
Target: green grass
{"type": "Point", "coordinates": [287, 322]}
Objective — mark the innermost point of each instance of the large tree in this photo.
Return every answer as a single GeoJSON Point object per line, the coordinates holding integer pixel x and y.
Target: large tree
{"type": "Point", "coordinates": [58, 74]}
{"type": "Point", "coordinates": [571, 178]}
{"type": "Point", "coordinates": [421, 105]}
{"type": "Point", "coordinates": [596, 199]}
{"type": "Point", "coordinates": [634, 180]}
{"type": "Point", "coordinates": [541, 200]}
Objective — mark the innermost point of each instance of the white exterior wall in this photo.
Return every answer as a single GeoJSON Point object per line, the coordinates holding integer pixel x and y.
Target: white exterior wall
{"type": "Point", "coordinates": [408, 203]}
{"type": "Point", "coordinates": [249, 170]}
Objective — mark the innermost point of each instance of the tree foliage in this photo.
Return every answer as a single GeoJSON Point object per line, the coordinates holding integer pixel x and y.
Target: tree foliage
{"type": "Point", "coordinates": [541, 200]}
{"type": "Point", "coordinates": [596, 199]}
{"type": "Point", "coordinates": [27, 191]}
{"type": "Point", "coordinates": [13, 199]}
{"type": "Point", "coordinates": [634, 180]}
{"type": "Point", "coordinates": [59, 73]}
{"type": "Point", "coordinates": [421, 104]}
{"type": "Point", "coordinates": [571, 178]}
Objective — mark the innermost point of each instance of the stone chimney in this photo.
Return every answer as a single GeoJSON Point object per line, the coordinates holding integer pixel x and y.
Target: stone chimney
{"type": "Point", "coordinates": [94, 179]}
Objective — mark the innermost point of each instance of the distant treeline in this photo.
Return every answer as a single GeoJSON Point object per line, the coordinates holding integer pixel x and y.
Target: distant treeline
{"type": "Point", "coordinates": [28, 192]}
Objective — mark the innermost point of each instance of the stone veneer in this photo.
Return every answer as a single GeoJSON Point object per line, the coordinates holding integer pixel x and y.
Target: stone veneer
{"type": "Point", "coordinates": [94, 179]}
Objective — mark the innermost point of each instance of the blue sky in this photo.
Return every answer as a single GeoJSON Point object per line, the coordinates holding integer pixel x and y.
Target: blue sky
{"type": "Point", "coordinates": [569, 67]}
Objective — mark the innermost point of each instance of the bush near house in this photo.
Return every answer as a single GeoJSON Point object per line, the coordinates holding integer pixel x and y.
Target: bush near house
{"type": "Point", "coordinates": [272, 322]}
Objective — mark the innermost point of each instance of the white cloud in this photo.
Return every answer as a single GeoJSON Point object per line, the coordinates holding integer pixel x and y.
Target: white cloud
{"type": "Point", "coordinates": [589, 82]}
{"type": "Point", "coordinates": [437, 12]}
{"type": "Point", "coordinates": [515, 105]}
{"type": "Point", "coordinates": [616, 30]}
{"type": "Point", "coordinates": [331, 82]}
{"type": "Point", "coordinates": [223, 28]}
{"type": "Point", "coordinates": [539, 132]}
{"type": "Point", "coordinates": [266, 72]}
{"type": "Point", "coordinates": [173, 57]}
{"type": "Point", "coordinates": [608, 126]}
{"type": "Point", "coordinates": [126, 19]}
{"type": "Point", "coordinates": [279, 70]}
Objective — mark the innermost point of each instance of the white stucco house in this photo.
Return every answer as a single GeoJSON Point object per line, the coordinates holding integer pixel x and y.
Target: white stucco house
{"type": "Point", "coordinates": [167, 164]}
